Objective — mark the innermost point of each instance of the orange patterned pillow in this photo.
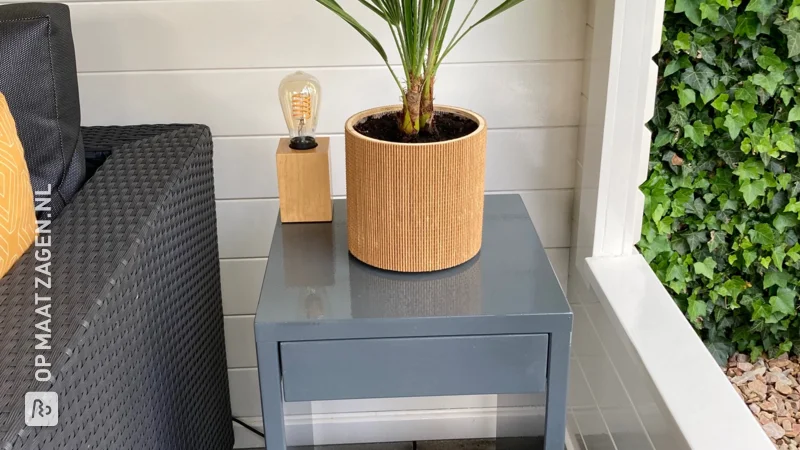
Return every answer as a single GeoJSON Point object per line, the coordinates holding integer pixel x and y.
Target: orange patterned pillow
{"type": "Point", "coordinates": [17, 216]}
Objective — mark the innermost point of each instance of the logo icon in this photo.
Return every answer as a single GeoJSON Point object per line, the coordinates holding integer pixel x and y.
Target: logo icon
{"type": "Point", "coordinates": [41, 409]}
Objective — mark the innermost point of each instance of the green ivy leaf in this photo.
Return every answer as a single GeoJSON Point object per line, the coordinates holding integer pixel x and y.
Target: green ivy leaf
{"type": "Point", "coordinates": [794, 114]}
{"type": "Point", "coordinates": [721, 103]}
{"type": "Point", "coordinates": [728, 20]}
{"type": "Point", "coordinates": [794, 12]}
{"type": "Point", "coordinates": [686, 96]}
{"type": "Point", "coordinates": [751, 169]}
{"type": "Point", "coordinates": [710, 12]}
{"type": "Point", "coordinates": [672, 67]}
{"type": "Point", "coordinates": [749, 256]}
{"type": "Point", "coordinates": [776, 278]}
{"type": "Point", "coordinates": [735, 286]}
{"type": "Point", "coordinates": [784, 302]}
{"type": "Point", "coordinates": [696, 239]}
{"type": "Point", "coordinates": [792, 31]}
{"type": "Point", "coordinates": [697, 132]}
{"type": "Point", "coordinates": [706, 268]}
{"type": "Point", "coordinates": [785, 221]}
{"type": "Point", "coordinates": [747, 93]}
{"type": "Point", "coordinates": [753, 190]}
{"type": "Point", "coordinates": [691, 8]}
{"type": "Point", "coordinates": [698, 77]}
{"type": "Point", "coordinates": [678, 117]}
{"type": "Point", "coordinates": [769, 82]}
{"type": "Point", "coordinates": [747, 25]}
{"type": "Point", "coordinates": [779, 255]}
{"type": "Point", "coordinates": [793, 207]}
{"type": "Point", "coordinates": [683, 42]}
{"type": "Point", "coordinates": [697, 309]}
{"type": "Point", "coordinates": [762, 234]}
{"type": "Point", "coordinates": [761, 6]}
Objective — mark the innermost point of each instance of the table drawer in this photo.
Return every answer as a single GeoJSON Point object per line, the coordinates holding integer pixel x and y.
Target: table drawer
{"type": "Point", "coordinates": [413, 367]}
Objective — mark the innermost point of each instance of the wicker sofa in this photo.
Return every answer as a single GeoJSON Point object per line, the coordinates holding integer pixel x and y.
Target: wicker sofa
{"type": "Point", "coordinates": [137, 346]}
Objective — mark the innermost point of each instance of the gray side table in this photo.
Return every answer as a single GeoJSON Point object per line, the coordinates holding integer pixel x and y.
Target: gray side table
{"type": "Point", "coordinates": [329, 327]}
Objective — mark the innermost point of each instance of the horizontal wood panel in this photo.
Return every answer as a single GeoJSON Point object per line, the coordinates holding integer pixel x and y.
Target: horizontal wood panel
{"type": "Point", "coordinates": [245, 227]}
{"type": "Point", "coordinates": [241, 284]}
{"type": "Point", "coordinates": [519, 159]}
{"type": "Point", "coordinates": [559, 259]}
{"type": "Point", "coordinates": [242, 278]}
{"type": "Point", "coordinates": [240, 341]}
{"type": "Point", "coordinates": [134, 35]}
{"type": "Point", "coordinates": [244, 102]}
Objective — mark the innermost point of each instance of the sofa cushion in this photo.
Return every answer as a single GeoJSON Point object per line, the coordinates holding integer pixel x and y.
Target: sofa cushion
{"type": "Point", "coordinates": [39, 79]}
{"type": "Point", "coordinates": [17, 218]}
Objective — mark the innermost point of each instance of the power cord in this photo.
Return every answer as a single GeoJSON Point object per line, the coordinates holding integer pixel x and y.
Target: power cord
{"type": "Point", "coordinates": [241, 422]}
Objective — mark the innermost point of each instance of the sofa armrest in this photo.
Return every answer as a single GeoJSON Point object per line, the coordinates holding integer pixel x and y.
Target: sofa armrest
{"type": "Point", "coordinates": [137, 345]}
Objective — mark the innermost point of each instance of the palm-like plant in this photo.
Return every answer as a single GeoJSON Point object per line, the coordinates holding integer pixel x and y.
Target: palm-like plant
{"type": "Point", "coordinates": [419, 29]}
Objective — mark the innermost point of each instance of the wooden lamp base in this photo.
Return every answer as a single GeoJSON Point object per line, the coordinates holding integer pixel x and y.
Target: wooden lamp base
{"type": "Point", "coordinates": [304, 183]}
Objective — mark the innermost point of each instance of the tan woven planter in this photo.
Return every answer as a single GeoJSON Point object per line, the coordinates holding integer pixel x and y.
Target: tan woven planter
{"type": "Point", "coordinates": [415, 207]}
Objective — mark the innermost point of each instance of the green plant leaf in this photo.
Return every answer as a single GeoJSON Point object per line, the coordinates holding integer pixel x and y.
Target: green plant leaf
{"type": "Point", "coordinates": [503, 7]}
{"type": "Point", "coordinates": [762, 6]}
{"type": "Point", "coordinates": [784, 221]}
{"type": "Point", "coordinates": [762, 234]}
{"type": "Point", "coordinates": [697, 132]}
{"type": "Point", "coordinates": [750, 170]}
{"type": "Point", "coordinates": [753, 190]}
{"type": "Point", "coordinates": [705, 268]}
{"type": "Point", "coordinates": [698, 77]}
{"type": "Point", "coordinates": [691, 8]}
{"type": "Point", "coordinates": [776, 278]}
{"type": "Point", "coordinates": [697, 309]}
{"type": "Point", "coordinates": [735, 286]}
{"type": "Point", "coordinates": [672, 67]}
{"type": "Point", "coordinates": [747, 93]}
{"type": "Point", "coordinates": [784, 302]}
{"type": "Point", "coordinates": [769, 81]}
{"type": "Point", "coordinates": [686, 96]}
{"type": "Point", "coordinates": [720, 350]}
{"type": "Point", "coordinates": [683, 42]}
{"type": "Point", "coordinates": [794, 12]}
{"type": "Point", "coordinates": [792, 31]}
{"type": "Point", "coordinates": [710, 12]}
{"type": "Point", "coordinates": [696, 239]}
{"type": "Point", "coordinates": [747, 25]}
{"type": "Point", "coordinates": [721, 103]}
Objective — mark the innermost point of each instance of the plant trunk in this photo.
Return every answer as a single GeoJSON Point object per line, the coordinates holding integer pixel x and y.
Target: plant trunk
{"type": "Point", "coordinates": [427, 122]}
{"type": "Point", "coordinates": [412, 107]}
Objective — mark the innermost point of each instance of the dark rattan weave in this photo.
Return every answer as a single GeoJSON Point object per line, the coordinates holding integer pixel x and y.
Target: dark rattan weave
{"type": "Point", "coordinates": [138, 347]}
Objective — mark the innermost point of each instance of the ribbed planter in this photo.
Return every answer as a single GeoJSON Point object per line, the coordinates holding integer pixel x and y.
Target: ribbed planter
{"type": "Point", "coordinates": [415, 207]}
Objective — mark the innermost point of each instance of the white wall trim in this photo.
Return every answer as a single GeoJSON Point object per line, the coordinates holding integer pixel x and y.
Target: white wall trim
{"type": "Point", "coordinates": [695, 392]}
{"type": "Point", "coordinates": [630, 100]}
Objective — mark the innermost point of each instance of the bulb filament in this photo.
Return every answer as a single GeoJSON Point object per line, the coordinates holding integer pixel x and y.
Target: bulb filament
{"type": "Point", "coordinates": [301, 106]}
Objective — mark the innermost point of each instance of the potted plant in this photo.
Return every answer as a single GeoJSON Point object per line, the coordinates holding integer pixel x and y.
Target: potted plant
{"type": "Point", "coordinates": [415, 172]}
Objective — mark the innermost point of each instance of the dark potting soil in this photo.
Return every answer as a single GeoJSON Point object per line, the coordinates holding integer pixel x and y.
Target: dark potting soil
{"type": "Point", "coordinates": [386, 127]}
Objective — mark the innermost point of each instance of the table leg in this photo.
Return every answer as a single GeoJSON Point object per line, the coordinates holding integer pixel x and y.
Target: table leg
{"type": "Point", "coordinates": [557, 381]}
{"type": "Point", "coordinates": [269, 375]}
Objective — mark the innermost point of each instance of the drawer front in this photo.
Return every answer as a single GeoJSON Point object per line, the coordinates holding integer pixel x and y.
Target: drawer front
{"type": "Point", "coordinates": [413, 367]}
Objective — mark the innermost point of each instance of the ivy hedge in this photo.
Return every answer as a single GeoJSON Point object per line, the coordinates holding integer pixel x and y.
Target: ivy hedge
{"type": "Point", "coordinates": [722, 213]}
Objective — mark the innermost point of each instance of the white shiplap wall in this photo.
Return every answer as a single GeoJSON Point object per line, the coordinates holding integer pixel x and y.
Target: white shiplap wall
{"type": "Point", "coordinates": [219, 62]}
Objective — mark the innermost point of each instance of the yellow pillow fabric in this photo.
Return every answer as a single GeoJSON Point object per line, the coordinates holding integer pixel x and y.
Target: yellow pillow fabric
{"type": "Point", "coordinates": [17, 215]}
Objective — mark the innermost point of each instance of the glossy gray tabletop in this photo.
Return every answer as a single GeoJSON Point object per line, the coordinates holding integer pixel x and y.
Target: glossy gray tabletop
{"type": "Point", "coordinates": [314, 289]}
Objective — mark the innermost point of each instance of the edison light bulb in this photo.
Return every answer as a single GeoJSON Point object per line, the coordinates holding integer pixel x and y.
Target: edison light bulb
{"type": "Point", "coordinates": [300, 96]}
